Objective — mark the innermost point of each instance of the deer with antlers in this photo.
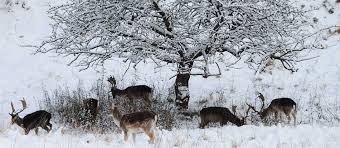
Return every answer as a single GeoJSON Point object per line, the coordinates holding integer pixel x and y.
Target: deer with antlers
{"type": "Point", "coordinates": [132, 92]}
{"type": "Point", "coordinates": [221, 115]}
{"type": "Point", "coordinates": [276, 107]}
{"type": "Point", "coordinates": [144, 121]}
{"type": "Point", "coordinates": [34, 120]}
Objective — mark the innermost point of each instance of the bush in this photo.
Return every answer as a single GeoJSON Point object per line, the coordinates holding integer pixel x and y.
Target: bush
{"type": "Point", "coordinates": [66, 107]}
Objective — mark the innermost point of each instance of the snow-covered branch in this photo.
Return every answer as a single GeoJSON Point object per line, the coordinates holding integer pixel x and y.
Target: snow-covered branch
{"type": "Point", "coordinates": [179, 31]}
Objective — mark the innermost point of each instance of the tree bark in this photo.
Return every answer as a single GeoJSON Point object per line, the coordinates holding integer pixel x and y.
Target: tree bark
{"type": "Point", "coordinates": [182, 85]}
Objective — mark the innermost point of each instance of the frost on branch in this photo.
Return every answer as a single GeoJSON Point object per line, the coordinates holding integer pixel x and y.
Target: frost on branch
{"type": "Point", "coordinates": [92, 31]}
{"type": "Point", "coordinates": [11, 3]}
{"type": "Point", "coordinates": [188, 33]}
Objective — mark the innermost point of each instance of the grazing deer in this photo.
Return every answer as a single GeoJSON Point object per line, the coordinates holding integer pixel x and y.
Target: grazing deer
{"type": "Point", "coordinates": [34, 120]}
{"type": "Point", "coordinates": [91, 109]}
{"type": "Point", "coordinates": [220, 114]}
{"type": "Point", "coordinates": [144, 121]}
{"type": "Point", "coordinates": [277, 106]}
{"type": "Point", "coordinates": [132, 92]}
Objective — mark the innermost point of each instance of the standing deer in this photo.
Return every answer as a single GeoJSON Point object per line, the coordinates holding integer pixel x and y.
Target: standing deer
{"type": "Point", "coordinates": [144, 121]}
{"type": "Point", "coordinates": [277, 106]}
{"type": "Point", "coordinates": [221, 115]}
{"type": "Point", "coordinates": [90, 109]}
{"type": "Point", "coordinates": [34, 120]}
{"type": "Point", "coordinates": [132, 92]}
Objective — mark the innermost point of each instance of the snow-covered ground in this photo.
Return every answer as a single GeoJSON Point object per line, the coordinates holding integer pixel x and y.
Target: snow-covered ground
{"type": "Point", "coordinates": [25, 75]}
{"type": "Point", "coordinates": [305, 136]}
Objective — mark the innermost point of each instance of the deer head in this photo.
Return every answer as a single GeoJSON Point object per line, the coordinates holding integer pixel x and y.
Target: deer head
{"type": "Point", "coordinates": [112, 81]}
{"type": "Point", "coordinates": [15, 115]}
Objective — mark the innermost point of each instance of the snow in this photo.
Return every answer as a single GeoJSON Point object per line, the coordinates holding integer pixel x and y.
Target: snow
{"type": "Point", "coordinates": [26, 75]}
{"type": "Point", "coordinates": [226, 137]}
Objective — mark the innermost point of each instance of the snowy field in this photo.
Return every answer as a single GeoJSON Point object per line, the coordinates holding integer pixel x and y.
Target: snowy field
{"type": "Point", "coordinates": [304, 136]}
{"type": "Point", "coordinates": [26, 75]}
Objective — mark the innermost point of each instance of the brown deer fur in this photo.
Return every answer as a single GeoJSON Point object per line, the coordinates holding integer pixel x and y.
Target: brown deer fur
{"type": "Point", "coordinates": [132, 92]}
{"type": "Point", "coordinates": [144, 121]}
{"type": "Point", "coordinates": [277, 106]}
{"type": "Point", "coordinates": [283, 105]}
{"type": "Point", "coordinates": [219, 114]}
{"type": "Point", "coordinates": [338, 30]}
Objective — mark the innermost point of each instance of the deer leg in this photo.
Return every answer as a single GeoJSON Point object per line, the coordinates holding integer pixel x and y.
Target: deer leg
{"type": "Point", "coordinates": [46, 128]}
{"type": "Point", "coordinates": [50, 125]}
{"type": "Point", "coordinates": [276, 114]}
{"type": "Point", "coordinates": [151, 135]}
{"type": "Point", "coordinates": [293, 113]}
{"type": "Point", "coordinates": [126, 136]}
{"type": "Point", "coordinates": [288, 118]}
{"type": "Point", "coordinates": [222, 123]}
{"type": "Point", "coordinates": [27, 131]}
{"type": "Point", "coordinates": [202, 124]}
{"type": "Point", "coordinates": [36, 131]}
{"type": "Point", "coordinates": [134, 137]}
{"type": "Point", "coordinates": [287, 113]}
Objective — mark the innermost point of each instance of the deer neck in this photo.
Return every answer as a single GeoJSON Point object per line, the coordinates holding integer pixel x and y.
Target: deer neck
{"type": "Point", "coordinates": [117, 117]}
{"type": "Point", "coordinates": [19, 121]}
{"type": "Point", "coordinates": [116, 92]}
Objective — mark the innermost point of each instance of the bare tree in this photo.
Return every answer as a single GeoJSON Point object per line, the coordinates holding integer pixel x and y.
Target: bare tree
{"type": "Point", "coordinates": [188, 33]}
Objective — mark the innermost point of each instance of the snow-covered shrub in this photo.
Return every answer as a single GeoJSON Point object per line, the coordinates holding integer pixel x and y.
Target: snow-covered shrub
{"type": "Point", "coordinates": [164, 108]}
{"type": "Point", "coordinates": [66, 107]}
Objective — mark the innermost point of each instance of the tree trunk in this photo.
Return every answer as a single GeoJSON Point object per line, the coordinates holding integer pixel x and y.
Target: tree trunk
{"type": "Point", "coordinates": [182, 85]}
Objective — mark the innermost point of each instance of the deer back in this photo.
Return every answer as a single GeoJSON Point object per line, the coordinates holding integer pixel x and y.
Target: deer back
{"type": "Point", "coordinates": [138, 91]}
{"type": "Point", "coordinates": [219, 114]}
{"type": "Point", "coordinates": [36, 119]}
{"type": "Point", "coordinates": [281, 103]}
{"type": "Point", "coordinates": [137, 119]}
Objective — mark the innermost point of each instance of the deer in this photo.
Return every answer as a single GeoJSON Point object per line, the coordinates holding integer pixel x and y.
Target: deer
{"type": "Point", "coordinates": [90, 107]}
{"type": "Point", "coordinates": [277, 106]}
{"type": "Point", "coordinates": [221, 115]}
{"type": "Point", "coordinates": [137, 122]}
{"type": "Point", "coordinates": [132, 92]}
{"type": "Point", "coordinates": [40, 118]}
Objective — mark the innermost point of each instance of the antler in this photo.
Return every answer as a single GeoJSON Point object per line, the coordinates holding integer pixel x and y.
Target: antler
{"type": "Point", "coordinates": [13, 110]}
{"type": "Point", "coordinates": [252, 107]}
{"type": "Point", "coordinates": [233, 108]}
{"type": "Point", "coordinates": [262, 99]}
{"type": "Point", "coordinates": [112, 80]}
{"type": "Point", "coordinates": [247, 113]}
{"type": "Point", "coordinates": [24, 106]}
